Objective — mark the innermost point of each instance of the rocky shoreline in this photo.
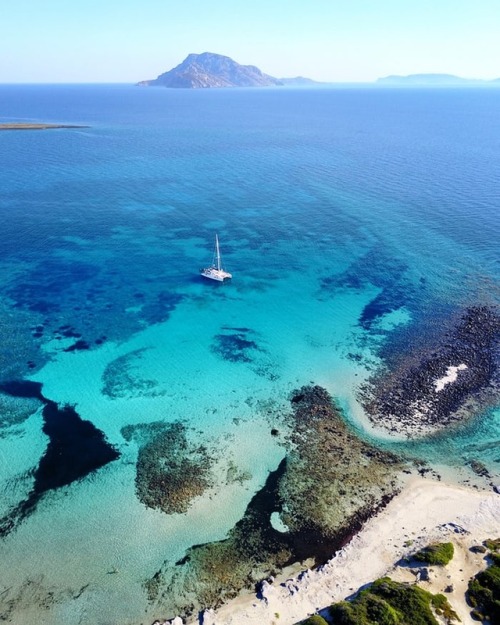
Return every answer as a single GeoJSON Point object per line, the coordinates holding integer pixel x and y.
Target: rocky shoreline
{"type": "Point", "coordinates": [425, 512]}
{"type": "Point", "coordinates": [435, 385]}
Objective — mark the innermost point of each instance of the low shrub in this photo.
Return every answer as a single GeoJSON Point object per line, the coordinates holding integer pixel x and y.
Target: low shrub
{"type": "Point", "coordinates": [492, 544]}
{"type": "Point", "coordinates": [438, 554]}
{"type": "Point", "coordinates": [443, 608]}
{"type": "Point", "coordinates": [315, 619]}
{"type": "Point", "coordinates": [387, 602]}
{"type": "Point", "coordinates": [484, 593]}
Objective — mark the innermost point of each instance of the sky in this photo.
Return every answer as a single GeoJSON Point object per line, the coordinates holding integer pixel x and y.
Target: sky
{"type": "Point", "coordinates": [58, 41]}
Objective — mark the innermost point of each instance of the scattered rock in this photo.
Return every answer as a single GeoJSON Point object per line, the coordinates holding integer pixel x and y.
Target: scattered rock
{"type": "Point", "coordinates": [207, 617]}
{"type": "Point", "coordinates": [479, 468]}
{"type": "Point", "coordinates": [423, 575]}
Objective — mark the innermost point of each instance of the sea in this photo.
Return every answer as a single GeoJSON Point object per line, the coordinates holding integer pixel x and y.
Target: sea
{"type": "Point", "coordinates": [322, 199]}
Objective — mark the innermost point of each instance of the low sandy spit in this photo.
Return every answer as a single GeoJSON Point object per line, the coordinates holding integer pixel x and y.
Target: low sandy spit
{"type": "Point", "coordinates": [30, 126]}
{"type": "Point", "coordinates": [423, 512]}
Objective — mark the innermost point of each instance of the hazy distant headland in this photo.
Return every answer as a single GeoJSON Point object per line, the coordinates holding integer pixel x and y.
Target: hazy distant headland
{"type": "Point", "coordinates": [435, 80]}
{"type": "Point", "coordinates": [208, 70]}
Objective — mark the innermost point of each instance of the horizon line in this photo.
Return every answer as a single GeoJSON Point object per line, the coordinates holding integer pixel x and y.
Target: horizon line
{"type": "Point", "coordinates": [378, 82]}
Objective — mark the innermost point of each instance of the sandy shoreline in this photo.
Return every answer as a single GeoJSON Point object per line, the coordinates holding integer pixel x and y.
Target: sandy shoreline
{"type": "Point", "coordinates": [424, 511]}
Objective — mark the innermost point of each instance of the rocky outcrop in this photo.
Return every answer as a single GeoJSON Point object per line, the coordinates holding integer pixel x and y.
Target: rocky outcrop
{"type": "Point", "coordinates": [201, 71]}
{"type": "Point", "coordinates": [433, 385]}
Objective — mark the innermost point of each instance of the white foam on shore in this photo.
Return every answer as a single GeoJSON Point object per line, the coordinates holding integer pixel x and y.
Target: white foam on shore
{"type": "Point", "coordinates": [451, 376]}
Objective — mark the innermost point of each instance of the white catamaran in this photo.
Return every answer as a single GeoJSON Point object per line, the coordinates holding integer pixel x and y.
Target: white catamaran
{"type": "Point", "coordinates": [215, 271]}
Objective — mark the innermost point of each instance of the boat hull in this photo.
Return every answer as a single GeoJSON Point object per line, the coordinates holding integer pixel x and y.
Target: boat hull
{"type": "Point", "coordinates": [219, 275]}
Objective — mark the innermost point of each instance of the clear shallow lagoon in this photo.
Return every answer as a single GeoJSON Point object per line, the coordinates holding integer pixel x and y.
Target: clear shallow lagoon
{"type": "Point", "coordinates": [323, 200]}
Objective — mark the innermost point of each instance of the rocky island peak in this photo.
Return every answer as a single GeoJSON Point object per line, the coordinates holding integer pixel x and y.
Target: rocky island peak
{"type": "Point", "coordinates": [208, 70]}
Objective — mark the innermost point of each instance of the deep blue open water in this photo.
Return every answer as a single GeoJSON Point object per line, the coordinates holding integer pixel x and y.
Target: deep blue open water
{"type": "Point", "coordinates": [323, 200]}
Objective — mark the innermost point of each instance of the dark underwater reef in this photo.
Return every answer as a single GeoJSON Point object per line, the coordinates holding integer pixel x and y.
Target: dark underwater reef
{"type": "Point", "coordinates": [377, 268]}
{"type": "Point", "coordinates": [403, 396]}
{"type": "Point", "coordinates": [75, 449]}
{"type": "Point", "coordinates": [171, 471]}
{"type": "Point", "coordinates": [327, 485]}
{"type": "Point", "coordinates": [56, 298]}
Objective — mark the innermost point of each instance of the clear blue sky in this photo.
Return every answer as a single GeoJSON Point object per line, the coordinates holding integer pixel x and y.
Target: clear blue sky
{"type": "Point", "coordinates": [329, 40]}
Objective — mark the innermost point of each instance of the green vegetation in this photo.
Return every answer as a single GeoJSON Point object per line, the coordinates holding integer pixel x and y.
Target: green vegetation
{"type": "Point", "coordinates": [443, 608]}
{"type": "Point", "coordinates": [484, 590]}
{"type": "Point", "coordinates": [492, 544]}
{"type": "Point", "coordinates": [438, 554]}
{"type": "Point", "coordinates": [391, 603]}
{"type": "Point", "coordinates": [315, 619]}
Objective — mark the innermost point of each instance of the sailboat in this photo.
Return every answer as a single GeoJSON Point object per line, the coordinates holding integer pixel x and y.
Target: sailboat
{"type": "Point", "coordinates": [215, 271]}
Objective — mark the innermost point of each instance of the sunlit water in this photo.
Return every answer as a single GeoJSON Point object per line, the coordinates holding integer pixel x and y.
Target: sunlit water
{"type": "Point", "coordinates": [322, 200]}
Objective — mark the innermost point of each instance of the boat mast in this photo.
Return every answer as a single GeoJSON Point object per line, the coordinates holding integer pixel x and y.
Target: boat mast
{"type": "Point", "coordinates": [217, 252]}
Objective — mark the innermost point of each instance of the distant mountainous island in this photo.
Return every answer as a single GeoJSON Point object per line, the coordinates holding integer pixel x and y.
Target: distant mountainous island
{"type": "Point", "coordinates": [202, 71]}
{"type": "Point", "coordinates": [434, 79]}
{"type": "Point", "coordinates": [210, 70]}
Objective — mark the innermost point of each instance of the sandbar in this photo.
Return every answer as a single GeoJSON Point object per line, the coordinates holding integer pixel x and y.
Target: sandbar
{"type": "Point", "coordinates": [30, 126]}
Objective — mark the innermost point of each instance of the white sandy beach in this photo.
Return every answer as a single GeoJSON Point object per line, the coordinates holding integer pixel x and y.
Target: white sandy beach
{"type": "Point", "coordinates": [423, 512]}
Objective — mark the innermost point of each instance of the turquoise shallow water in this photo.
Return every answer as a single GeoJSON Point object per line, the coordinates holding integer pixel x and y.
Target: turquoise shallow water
{"type": "Point", "coordinates": [343, 215]}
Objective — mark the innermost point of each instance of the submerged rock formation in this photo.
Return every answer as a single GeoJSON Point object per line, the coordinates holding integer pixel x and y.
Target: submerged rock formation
{"type": "Point", "coordinates": [201, 71]}
{"type": "Point", "coordinates": [434, 385]}
{"type": "Point", "coordinates": [332, 476]}
{"type": "Point", "coordinates": [326, 486]}
{"type": "Point", "coordinates": [171, 471]}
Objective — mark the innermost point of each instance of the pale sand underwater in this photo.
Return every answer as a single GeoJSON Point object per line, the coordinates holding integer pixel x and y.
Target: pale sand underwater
{"type": "Point", "coordinates": [352, 222]}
